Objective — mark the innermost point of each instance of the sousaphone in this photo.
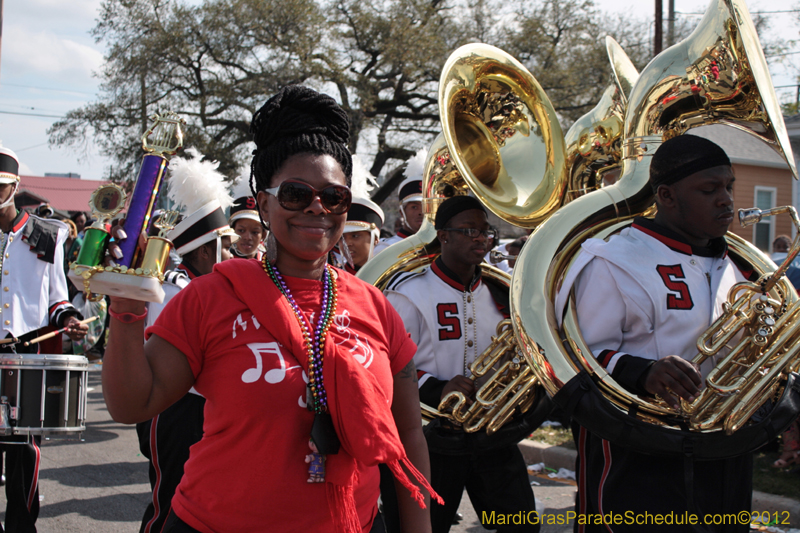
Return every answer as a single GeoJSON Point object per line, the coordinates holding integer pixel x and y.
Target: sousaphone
{"type": "Point", "coordinates": [718, 75]}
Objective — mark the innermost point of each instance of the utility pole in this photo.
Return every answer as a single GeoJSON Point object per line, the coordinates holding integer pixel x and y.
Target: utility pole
{"type": "Point", "coordinates": [1, 23]}
{"type": "Point", "coordinates": [658, 38]}
{"type": "Point", "coordinates": [670, 23]}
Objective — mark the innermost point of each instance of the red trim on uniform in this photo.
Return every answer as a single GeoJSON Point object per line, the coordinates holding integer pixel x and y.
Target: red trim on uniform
{"type": "Point", "coordinates": [186, 271]}
{"type": "Point", "coordinates": [402, 234]}
{"type": "Point", "coordinates": [450, 281]}
{"type": "Point", "coordinates": [21, 222]}
{"type": "Point", "coordinates": [606, 470]}
{"type": "Point", "coordinates": [582, 477]}
{"type": "Point", "coordinates": [607, 358]}
{"type": "Point", "coordinates": [35, 481]}
{"type": "Point", "coordinates": [420, 374]}
{"type": "Point", "coordinates": [56, 306]}
{"type": "Point", "coordinates": [672, 243]}
{"type": "Point", "coordinates": [157, 467]}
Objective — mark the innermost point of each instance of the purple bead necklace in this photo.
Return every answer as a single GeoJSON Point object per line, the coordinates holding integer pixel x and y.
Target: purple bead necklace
{"type": "Point", "coordinates": [314, 347]}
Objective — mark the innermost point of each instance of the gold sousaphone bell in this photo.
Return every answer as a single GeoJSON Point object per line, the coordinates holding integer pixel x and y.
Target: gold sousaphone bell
{"type": "Point", "coordinates": [718, 75]}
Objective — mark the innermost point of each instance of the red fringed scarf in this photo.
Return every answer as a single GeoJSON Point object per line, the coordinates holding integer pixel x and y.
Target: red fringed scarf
{"type": "Point", "coordinates": [361, 416]}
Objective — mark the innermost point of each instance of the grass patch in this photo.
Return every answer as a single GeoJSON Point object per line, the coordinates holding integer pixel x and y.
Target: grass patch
{"type": "Point", "coordinates": [554, 436]}
{"type": "Point", "coordinates": [774, 480]}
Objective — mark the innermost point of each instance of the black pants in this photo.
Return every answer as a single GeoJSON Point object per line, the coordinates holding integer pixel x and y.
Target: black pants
{"type": "Point", "coordinates": [613, 479]}
{"type": "Point", "coordinates": [22, 483]}
{"type": "Point", "coordinates": [496, 482]}
{"type": "Point", "coordinates": [166, 440]}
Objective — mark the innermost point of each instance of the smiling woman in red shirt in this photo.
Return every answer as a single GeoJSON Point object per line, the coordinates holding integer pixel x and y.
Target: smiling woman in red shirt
{"type": "Point", "coordinates": [306, 370]}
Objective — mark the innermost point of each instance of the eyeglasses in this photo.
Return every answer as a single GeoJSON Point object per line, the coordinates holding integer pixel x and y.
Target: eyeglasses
{"type": "Point", "coordinates": [473, 233]}
{"type": "Point", "coordinates": [297, 195]}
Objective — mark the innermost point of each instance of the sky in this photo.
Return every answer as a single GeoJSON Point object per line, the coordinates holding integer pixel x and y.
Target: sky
{"type": "Point", "coordinates": [48, 58]}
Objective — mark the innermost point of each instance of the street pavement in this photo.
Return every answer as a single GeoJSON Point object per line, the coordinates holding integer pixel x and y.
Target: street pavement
{"type": "Point", "coordinates": [100, 484]}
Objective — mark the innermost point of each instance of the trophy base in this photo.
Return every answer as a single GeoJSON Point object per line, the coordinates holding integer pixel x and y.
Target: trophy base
{"type": "Point", "coordinates": [135, 287]}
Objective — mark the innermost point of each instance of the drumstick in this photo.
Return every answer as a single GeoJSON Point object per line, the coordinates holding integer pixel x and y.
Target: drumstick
{"type": "Point", "coordinates": [7, 341]}
{"type": "Point", "coordinates": [57, 332]}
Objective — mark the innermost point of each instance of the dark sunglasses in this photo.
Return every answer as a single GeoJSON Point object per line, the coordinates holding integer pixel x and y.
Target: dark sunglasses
{"type": "Point", "coordinates": [296, 196]}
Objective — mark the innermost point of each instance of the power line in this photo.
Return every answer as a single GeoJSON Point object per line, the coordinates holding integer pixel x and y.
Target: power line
{"type": "Point", "coordinates": [61, 90]}
{"type": "Point", "coordinates": [30, 147]}
{"type": "Point", "coordinates": [29, 114]}
{"type": "Point", "coordinates": [752, 12]}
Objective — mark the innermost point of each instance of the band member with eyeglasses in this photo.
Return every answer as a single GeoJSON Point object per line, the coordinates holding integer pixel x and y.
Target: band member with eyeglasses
{"type": "Point", "coordinates": [202, 239]}
{"type": "Point", "coordinates": [410, 195]}
{"type": "Point", "coordinates": [644, 296]}
{"type": "Point", "coordinates": [33, 296]}
{"type": "Point", "coordinates": [451, 314]}
{"type": "Point", "coordinates": [307, 371]}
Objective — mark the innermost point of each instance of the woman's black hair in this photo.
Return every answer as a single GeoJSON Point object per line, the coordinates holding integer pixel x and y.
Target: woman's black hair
{"type": "Point", "coordinates": [297, 120]}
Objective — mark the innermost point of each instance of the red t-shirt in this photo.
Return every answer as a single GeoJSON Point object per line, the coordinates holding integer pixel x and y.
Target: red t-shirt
{"type": "Point", "coordinates": [249, 471]}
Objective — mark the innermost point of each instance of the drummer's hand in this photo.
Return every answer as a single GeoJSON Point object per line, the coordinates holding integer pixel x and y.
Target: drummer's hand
{"type": "Point", "coordinates": [76, 331]}
{"type": "Point", "coordinates": [114, 251]}
{"type": "Point", "coordinates": [460, 384]}
{"type": "Point", "coordinates": [673, 375]}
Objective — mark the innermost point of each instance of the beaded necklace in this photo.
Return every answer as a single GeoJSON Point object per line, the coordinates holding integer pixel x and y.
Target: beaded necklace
{"type": "Point", "coordinates": [314, 347]}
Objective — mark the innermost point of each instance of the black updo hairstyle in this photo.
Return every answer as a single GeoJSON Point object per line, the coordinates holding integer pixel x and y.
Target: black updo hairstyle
{"type": "Point", "coordinates": [297, 120]}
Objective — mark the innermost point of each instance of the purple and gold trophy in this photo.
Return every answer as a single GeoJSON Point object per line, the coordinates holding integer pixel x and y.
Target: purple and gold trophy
{"type": "Point", "coordinates": [137, 275]}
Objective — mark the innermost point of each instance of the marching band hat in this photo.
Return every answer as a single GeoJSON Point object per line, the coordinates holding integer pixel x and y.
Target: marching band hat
{"type": "Point", "coordinates": [9, 166]}
{"type": "Point", "coordinates": [411, 188]}
{"type": "Point", "coordinates": [244, 206]}
{"type": "Point", "coordinates": [200, 190]}
{"type": "Point", "coordinates": [364, 215]}
{"type": "Point", "coordinates": [200, 227]}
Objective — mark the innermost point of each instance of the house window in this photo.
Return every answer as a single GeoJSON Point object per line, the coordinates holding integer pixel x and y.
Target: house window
{"type": "Point", "coordinates": [764, 231]}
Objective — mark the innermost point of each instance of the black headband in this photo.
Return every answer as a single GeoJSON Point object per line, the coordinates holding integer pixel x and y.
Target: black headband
{"type": "Point", "coordinates": [682, 156]}
{"type": "Point", "coordinates": [453, 206]}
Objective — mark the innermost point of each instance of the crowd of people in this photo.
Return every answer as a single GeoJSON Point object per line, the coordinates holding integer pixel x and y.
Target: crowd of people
{"type": "Point", "coordinates": [264, 349]}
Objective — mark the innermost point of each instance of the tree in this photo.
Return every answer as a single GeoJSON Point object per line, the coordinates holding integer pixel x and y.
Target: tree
{"type": "Point", "coordinates": [217, 62]}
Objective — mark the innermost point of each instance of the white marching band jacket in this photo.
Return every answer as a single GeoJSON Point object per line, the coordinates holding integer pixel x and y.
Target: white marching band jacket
{"type": "Point", "coordinates": [646, 293]}
{"type": "Point", "coordinates": [450, 324]}
{"type": "Point", "coordinates": [34, 285]}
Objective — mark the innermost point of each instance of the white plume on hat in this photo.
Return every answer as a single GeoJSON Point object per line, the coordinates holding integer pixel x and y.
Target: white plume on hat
{"type": "Point", "coordinates": [416, 165]}
{"type": "Point", "coordinates": [362, 182]}
{"type": "Point", "coordinates": [194, 183]}
{"type": "Point", "coordinates": [242, 186]}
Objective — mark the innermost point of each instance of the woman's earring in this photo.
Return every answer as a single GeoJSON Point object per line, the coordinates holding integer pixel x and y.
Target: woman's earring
{"type": "Point", "coordinates": [272, 248]}
{"type": "Point", "coordinates": [346, 253]}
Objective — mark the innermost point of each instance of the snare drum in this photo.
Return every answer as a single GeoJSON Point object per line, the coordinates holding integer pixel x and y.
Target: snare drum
{"type": "Point", "coordinates": [46, 393]}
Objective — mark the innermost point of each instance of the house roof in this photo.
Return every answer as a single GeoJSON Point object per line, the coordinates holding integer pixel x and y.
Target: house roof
{"type": "Point", "coordinates": [64, 194]}
{"type": "Point", "coordinates": [741, 147]}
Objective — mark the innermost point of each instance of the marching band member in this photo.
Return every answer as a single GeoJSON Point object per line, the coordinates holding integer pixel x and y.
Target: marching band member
{"type": "Point", "coordinates": [202, 239]}
{"type": "Point", "coordinates": [451, 314]}
{"type": "Point", "coordinates": [364, 219]}
{"type": "Point", "coordinates": [643, 298]}
{"type": "Point", "coordinates": [410, 195]}
{"type": "Point", "coordinates": [361, 231]}
{"type": "Point", "coordinates": [246, 223]}
{"type": "Point", "coordinates": [34, 295]}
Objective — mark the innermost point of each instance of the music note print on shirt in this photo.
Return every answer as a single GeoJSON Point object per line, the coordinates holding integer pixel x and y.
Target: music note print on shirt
{"type": "Point", "coordinates": [361, 350]}
{"type": "Point", "coordinates": [274, 375]}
